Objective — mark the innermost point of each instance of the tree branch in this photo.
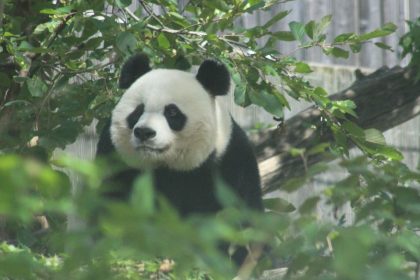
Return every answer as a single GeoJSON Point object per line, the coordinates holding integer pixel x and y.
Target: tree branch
{"type": "Point", "coordinates": [384, 99]}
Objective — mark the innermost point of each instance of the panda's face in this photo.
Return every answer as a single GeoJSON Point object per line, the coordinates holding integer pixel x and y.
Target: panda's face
{"type": "Point", "coordinates": [165, 118]}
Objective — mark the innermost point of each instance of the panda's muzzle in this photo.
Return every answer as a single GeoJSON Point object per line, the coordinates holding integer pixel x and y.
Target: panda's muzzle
{"type": "Point", "coordinates": [144, 133]}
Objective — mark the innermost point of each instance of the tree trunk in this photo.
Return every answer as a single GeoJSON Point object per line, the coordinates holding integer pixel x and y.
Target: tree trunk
{"type": "Point", "coordinates": [384, 99]}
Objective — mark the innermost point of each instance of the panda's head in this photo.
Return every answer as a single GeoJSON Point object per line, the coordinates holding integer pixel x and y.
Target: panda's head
{"type": "Point", "coordinates": [169, 117]}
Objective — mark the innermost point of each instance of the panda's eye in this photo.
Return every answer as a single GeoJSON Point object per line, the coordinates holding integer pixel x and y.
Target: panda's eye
{"type": "Point", "coordinates": [175, 117]}
{"type": "Point", "coordinates": [133, 118]}
{"type": "Point", "coordinates": [171, 111]}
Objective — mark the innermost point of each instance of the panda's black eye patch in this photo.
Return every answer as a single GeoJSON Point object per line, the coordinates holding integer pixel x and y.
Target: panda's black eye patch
{"type": "Point", "coordinates": [134, 116]}
{"type": "Point", "coordinates": [175, 118]}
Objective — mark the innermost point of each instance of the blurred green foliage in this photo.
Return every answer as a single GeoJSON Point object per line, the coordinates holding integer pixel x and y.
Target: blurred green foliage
{"type": "Point", "coordinates": [59, 63]}
{"type": "Point", "coordinates": [410, 44]}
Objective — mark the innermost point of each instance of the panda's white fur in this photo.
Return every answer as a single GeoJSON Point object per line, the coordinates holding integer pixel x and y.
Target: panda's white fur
{"type": "Point", "coordinates": [207, 129]}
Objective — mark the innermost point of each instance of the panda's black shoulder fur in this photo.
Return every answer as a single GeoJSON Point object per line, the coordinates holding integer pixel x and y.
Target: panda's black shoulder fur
{"type": "Point", "coordinates": [239, 168]}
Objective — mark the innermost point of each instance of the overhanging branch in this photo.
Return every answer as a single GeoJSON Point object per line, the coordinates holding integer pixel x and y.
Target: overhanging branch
{"type": "Point", "coordinates": [384, 99]}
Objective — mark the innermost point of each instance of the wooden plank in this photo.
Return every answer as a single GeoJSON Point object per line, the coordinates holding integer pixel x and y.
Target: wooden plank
{"type": "Point", "coordinates": [406, 138]}
{"type": "Point", "coordinates": [390, 13]}
{"type": "Point", "coordinates": [414, 9]}
{"type": "Point", "coordinates": [370, 18]}
{"type": "Point", "coordinates": [315, 11]}
{"type": "Point", "coordinates": [287, 48]}
{"type": "Point", "coordinates": [344, 20]}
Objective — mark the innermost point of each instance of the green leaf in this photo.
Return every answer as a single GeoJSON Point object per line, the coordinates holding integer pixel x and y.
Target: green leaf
{"type": "Point", "coordinates": [345, 106]}
{"type": "Point", "coordinates": [356, 48]}
{"type": "Point", "coordinates": [385, 30]}
{"type": "Point", "coordinates": [340, 138]}
{"type": "Point", "coordinates": [17, 102]}
{"type": "Point", "coordinates": [293, 184]}
{"type": "Point", "coordinates": [268, 101]}
{"type": "Point", "coordinates": [295, 152]}
{"type": "Point", "coordinates": [350, 258]}
{"type": "Point", "coordinates": [317, 149]}
{"type": "Point", "coordinates": [354, 130]}
{"type": "Point", "coordinates": [301, 67]}
{"type": "Point", "coordinates": [309, 205]}
{"type": "Point", "coordinates": [9, 34]}
{"type": "Point", "coordinates": [143, 196]}
{"type": "Point", "coordinates": [36, 87]}
{"type": "Point", "coordinates": [48, 11]}
{"type": "Point", "coordinates": [374, 136]}
{"type": "Point", "coordinates": [315, 30]}
{"type": "Point", "coordinates": [388, 152]}
{"type": "Point", "coordinates": [126, 42]}
{"type": "Point", "coordinates": [224, 194]}
{"type": "Point", "coordinates": [50, 26]}
{"type": "Point", "coordinates": [298, 30]}
{"type": "Point", "coordinates": [383, 46]}
{"type": "Point", "coordinates": [283, 36]}
{"type": "Point", "coordinates": [323, 24]}
{"type": "Point", "coordinates": [320, 91]}
{"type": "Point", "coordinates": [338, 52]}
{"type": "Point", "coordinates": [240, 95]}
{"type": "Point", "coordinates": [254, 5]}
{"type": "Point", "coordinates": [309, 29]}
{"type": "Point", "coordinates": [252, 75]}
{"type": "Point", "coordinates": [279, 16]}
{"type": "Point", "coordinates": [58, 11]}
{"type": "Point", "coordinates": [317, 168]}
{"type": "Point", "coordinates": [345, 37]}
{"type": "Point", "coordinates": [179, 19]}
{"type": "Point", "coordinates": [279, 205]}
{"type": "Point", "coordinates": [163, 41]}
{"type": "Point", "coordinates": [61, 135]}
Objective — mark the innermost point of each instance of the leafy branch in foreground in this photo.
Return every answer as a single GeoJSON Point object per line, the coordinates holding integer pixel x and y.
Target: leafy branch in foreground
{"type": "Point", "coordinates": [410, 43]}
{"type": "Point", "coordinates": [59, 65]}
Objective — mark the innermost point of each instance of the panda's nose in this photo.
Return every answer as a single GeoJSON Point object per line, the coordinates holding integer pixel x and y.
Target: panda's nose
{"type": "Point", "coordinates": [144, 133]}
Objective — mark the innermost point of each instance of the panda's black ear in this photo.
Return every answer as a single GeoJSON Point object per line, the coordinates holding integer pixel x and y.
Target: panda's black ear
{"type": "Point", "coordinates": [214, 77]}
{"type": "Point", "coordinates": [133, 68]}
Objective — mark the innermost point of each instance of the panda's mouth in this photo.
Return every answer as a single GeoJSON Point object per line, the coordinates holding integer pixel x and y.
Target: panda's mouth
{"type": "Point", "coordinates": [150, 149]}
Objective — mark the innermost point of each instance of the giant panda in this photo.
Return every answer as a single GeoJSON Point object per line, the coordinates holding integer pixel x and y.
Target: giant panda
{"type": "Point", "coordinates": [171, 123]}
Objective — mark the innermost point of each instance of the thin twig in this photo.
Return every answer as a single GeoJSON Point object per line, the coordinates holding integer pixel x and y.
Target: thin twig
{"type": "Point", "coordinates": [45, 100]}
{"type": "Point", "coordinates": [185, 31]}
{"type": "Point", "coordinates": [250, 262]}
{"type": "Point", "coordinates": [150, 12]}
